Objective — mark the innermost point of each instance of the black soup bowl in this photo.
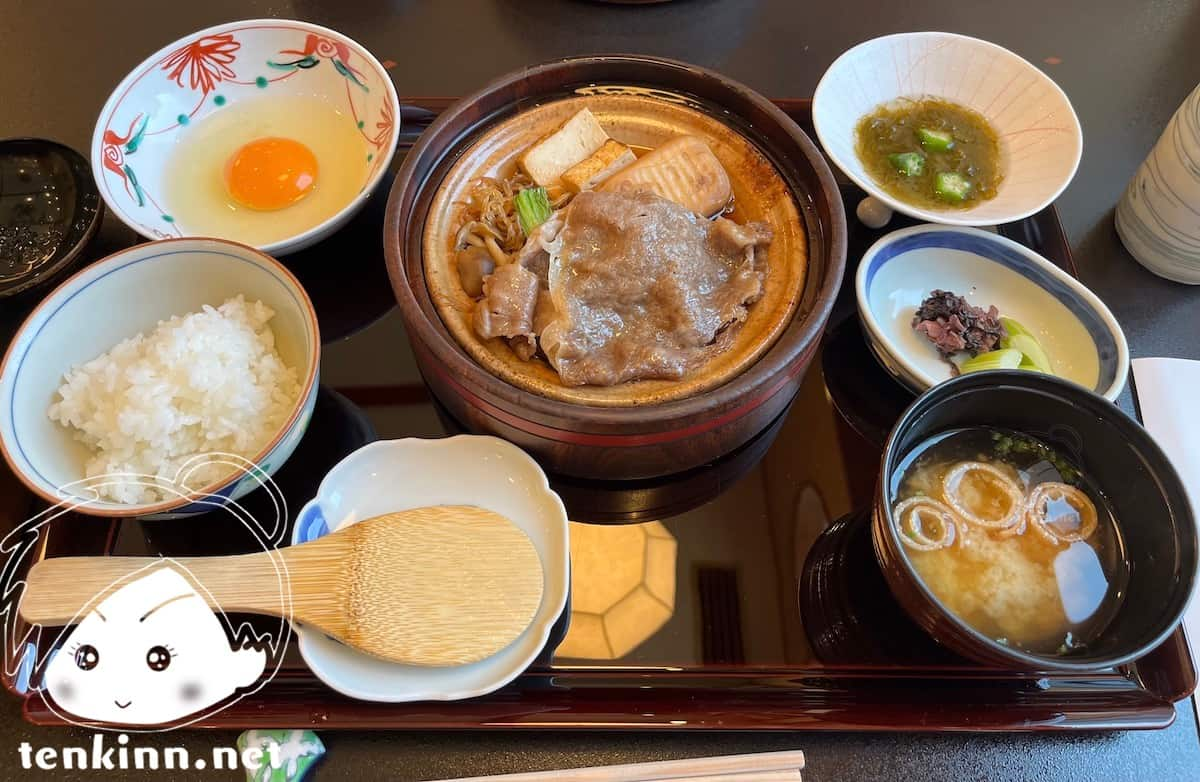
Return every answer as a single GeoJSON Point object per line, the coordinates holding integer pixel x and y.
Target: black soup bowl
{"type": "Point", "coordinates": [1147, 496]}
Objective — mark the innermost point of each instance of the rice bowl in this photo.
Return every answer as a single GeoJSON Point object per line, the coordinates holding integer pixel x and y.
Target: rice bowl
{"type": "Point", "coordinates": [114, 299]}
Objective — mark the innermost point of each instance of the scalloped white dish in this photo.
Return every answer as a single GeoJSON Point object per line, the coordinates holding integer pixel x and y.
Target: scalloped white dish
{"type": "Point", "coordinates": [395, 475]}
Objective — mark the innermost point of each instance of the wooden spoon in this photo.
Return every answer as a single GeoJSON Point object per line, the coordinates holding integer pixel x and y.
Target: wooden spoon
{"type": "Point", "coordinates": [436, 586]}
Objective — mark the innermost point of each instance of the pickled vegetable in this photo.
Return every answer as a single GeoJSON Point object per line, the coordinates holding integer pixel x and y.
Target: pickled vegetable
{"type": "Point", "coordinates": [996, 359]}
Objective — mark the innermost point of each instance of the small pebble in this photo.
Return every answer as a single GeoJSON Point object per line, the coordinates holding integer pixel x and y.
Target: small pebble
{"type": "Point", "coordinates": [873, 213]}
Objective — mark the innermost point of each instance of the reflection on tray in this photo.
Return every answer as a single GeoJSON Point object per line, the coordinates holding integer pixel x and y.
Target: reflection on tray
{"type": "Point", "coordinates": [867, 397]}
{"type": "Point", "coordinates": [849, 614]}
{"type": "Point", "coordinates": [344, 275]}
{"type": "Point", "coordinates": [607, 502]}
{"type": "Point", "coordinates": [713, 586]}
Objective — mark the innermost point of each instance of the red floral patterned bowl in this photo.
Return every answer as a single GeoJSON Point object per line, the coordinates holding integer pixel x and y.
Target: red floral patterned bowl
{"type": "Point", "coordinates": [209, 71]}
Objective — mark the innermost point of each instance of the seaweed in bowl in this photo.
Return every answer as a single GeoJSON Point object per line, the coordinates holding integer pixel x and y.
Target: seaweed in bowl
{"type": "Point", "coordinates": [931, 152]}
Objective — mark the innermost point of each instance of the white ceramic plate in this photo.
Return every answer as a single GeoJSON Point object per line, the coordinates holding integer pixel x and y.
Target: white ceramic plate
{"type": "Point", "coordinates": [1041, 141]}
{"type": "Point", "coordinates": [394, 475]}
{"type": "Point", "coordinates": [1080, 334]}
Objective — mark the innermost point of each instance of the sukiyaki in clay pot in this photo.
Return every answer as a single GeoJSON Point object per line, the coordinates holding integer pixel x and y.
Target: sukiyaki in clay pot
{"type": "Point", "coordinates": [646, 338]}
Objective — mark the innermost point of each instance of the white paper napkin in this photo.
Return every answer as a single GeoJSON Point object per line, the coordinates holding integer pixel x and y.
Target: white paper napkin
{"type": "Point", "coordinates": [1167, 395]}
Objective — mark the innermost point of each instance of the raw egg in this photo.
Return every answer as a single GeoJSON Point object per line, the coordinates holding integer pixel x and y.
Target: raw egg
{"type": "Point", "coordinates": [270, 173]}
{"type": "Point", "coordinates": [266, 169]}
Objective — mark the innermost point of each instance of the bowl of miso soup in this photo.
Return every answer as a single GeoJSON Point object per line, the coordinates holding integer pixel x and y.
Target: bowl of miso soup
{"type": "Point", "coordinates": [947, 128]}
{"type": "Point", "coordinates": [1027, 523]}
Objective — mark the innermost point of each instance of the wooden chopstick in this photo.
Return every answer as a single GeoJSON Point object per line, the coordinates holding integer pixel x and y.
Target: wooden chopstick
{"type": "Point", "coordinates": [758, 767]}
{"type": "Point", "coordinates": [742, 776]}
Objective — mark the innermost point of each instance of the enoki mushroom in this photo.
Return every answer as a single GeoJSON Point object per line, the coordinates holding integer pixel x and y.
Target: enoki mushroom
{"type": "Point", "coordinates": [491, 216]}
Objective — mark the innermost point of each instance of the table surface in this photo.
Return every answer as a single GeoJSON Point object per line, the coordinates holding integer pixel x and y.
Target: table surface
{"type": "Point", "coordinates": [1126, 67]}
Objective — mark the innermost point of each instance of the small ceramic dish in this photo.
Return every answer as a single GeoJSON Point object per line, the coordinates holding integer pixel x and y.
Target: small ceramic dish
{"type": "Point", "coordinates": [49, 211]}
{"type": "Point", "coordinates": [1040, 138]}
{"type": "Point", "coordinates": [151, 111]}
{"type": "Point", "coordinates": [113, 299]}
{"type": "Point", "coordinates": [394, 475]}
{"type": "Point", "coordinates": [1148, 500]}
{"type": "Point", "coordinates": [1082, 337]}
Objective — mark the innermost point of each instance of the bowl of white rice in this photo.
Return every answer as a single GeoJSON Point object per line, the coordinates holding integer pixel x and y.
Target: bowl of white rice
{"type": "Point", "coordinates": [163, 381]}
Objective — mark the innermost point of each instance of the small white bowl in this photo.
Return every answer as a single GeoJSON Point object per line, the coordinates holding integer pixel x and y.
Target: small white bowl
{"type": "Point", "coordinates": [113, 299]}
{"type": "Point", "coordinates": [1080, 334]}
{"type": "Point", "coordinates": [394, 475]}
{"type": "Point", "coordinates": [1040, 138]}
{"type": "Point", "coordinates": [188, 80]}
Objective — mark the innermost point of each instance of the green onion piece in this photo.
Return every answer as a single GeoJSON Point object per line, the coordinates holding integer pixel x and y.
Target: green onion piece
{"type": "Point", "coordinates": [952, 187]}
{"type": "Point", "coordinates": [533, 208]}
{"type": "Point", "coordinates": [996, 359]}
{"type": "Point", "coordinates": [1014, 327]}
{"type": "Point", "coordinates": [1022, 339]}
{"type": "Point", "coordinates": [908, 163]}
{"type": "Point", "coordinates": [1032, 350]}
{"type": "Point", "coordinates": [935, 140]}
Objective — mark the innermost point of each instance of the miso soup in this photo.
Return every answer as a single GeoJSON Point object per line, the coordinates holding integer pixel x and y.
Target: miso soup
{"type": "Point", "coordinates": [1011, 537]}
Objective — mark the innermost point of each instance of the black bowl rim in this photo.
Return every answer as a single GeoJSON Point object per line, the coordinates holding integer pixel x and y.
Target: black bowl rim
{"type": "Point", "coordinates": [1167, 477]}
{"type": "Point", "coordinates": [87, 186]}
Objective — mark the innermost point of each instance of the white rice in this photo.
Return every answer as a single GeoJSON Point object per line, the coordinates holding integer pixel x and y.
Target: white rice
{"type": "Point", "coordinates": [208, 382]}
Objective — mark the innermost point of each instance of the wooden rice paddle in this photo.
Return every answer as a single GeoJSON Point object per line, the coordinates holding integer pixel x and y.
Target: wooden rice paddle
{"type": "Point", "coordinates": [436, 586]}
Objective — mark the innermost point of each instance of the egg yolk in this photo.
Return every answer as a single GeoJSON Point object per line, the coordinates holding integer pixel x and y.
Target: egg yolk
{"type": "Point", "coordinates": [270, 173]}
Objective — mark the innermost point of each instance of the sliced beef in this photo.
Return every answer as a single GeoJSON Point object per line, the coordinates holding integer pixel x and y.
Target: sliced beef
{"type": "Point", "coordinates": [641, 286]}
{"type": "Point", "coordinates": [535, 255]}
{"type": "Point", "coordinates": [509, 300]}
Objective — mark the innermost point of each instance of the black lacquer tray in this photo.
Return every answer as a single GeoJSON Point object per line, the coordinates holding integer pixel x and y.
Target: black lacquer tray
{"type": "Point", "coordinates": [768, 613]}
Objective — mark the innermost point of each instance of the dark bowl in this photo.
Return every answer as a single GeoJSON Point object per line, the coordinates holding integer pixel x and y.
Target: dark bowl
{"type": "Point", "coordinates": [1147, 496]}
{"type": "Point", "coordinates": [607, 442]}
{"type": "Point", "coordinates": [49, 211]}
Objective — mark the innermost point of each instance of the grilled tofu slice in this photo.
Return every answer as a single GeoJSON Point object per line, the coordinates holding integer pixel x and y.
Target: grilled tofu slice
{"type": "Point", "coordinates": [574, 142]}
{"type": "Point", "coordinates": [683, 170]}
{"type": "Point", "coordinates": [606, 161]}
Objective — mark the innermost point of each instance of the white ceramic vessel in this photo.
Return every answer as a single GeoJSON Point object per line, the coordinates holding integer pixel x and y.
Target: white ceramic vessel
{"type": "Point", "coordinates": [395, 475]}
{"type": "Point", "coordinates": [152, 110]}
{"type": "Point", "coordinates": [128, 293]}
{"type": "Point", "coordinates": [1040, 138]}
{"type": "Point", "coordinates": [1158, 218]}
{"type": "Point", "coordinates": [1082, 337]}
